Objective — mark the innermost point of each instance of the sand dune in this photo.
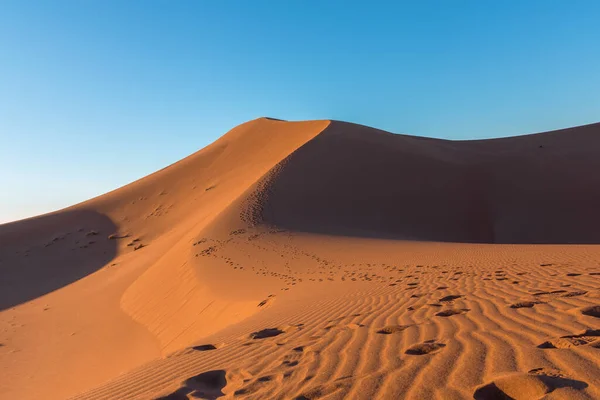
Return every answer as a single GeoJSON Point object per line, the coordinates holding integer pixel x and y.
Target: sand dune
{"type": "Point", "coordinates": [354, 180]}
{"type": "Point", "coordinates": [308, 260]}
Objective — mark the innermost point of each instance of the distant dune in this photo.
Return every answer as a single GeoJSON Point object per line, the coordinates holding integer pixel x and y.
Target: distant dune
{"type": "Point", "coordinates": [318, 259]}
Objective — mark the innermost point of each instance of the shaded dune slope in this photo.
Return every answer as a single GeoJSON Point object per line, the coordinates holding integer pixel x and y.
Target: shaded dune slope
{"type": "Point", "coordinates": [62, 241]}
{"type": "Point", "coordinates": [358, 181]}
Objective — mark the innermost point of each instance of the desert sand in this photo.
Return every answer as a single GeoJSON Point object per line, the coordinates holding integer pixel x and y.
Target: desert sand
{"type": "Point", "coordinates": [317, 260]}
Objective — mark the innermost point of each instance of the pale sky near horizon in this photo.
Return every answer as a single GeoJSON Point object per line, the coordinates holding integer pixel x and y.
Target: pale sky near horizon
{"type": "Point", "coordinates": [96, 94]}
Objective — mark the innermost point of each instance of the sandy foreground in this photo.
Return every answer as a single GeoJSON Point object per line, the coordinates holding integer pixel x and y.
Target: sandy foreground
{"type": "Point", "coordinates": [317, 260]}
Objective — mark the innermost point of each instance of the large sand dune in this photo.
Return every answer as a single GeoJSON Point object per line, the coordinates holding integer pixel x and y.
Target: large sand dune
{"type": "Point", "coordinates": [321, 259]}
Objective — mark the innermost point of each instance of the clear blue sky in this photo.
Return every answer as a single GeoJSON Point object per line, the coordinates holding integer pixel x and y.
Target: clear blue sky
{"type": "Point", "coordinates": [95, 94]}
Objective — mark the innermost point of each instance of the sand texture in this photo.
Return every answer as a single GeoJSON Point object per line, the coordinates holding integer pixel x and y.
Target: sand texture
{"type": "Point", "coordinates": [317, 260]}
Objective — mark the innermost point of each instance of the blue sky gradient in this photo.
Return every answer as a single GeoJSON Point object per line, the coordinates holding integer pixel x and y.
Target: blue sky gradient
{"type": "Point", "coordinates": [94, 95]}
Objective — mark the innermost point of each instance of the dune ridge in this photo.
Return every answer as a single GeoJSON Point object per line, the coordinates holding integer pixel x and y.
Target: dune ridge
{"type": "Point", "coordinates": [317, 259]}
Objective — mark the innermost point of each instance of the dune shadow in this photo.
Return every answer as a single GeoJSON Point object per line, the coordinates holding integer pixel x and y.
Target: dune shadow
{"type": "Point", "coordinates": [357, 181]}
{"type": "Point", "coordinates": [45, 253]}
{"type": "Point", "coordinates": [207, 385]}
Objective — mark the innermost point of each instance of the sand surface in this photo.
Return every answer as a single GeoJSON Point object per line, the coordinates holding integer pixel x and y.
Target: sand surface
{"type": "Point", "coordinates": [317, 260]}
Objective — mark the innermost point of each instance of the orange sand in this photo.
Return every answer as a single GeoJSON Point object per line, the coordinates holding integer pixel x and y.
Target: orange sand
{"type": "Point", "coordinates": [321, 259]}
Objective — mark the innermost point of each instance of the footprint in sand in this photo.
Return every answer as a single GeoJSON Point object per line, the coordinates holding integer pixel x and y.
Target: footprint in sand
{"type": "Point", "coordinates": [451, 312]}
{"type": "Point", "coordinates": [524, 304]}
{"type": "Point", "coordinates": [588, 337]}
{"type": "Point", "coordinates": [520, 386]}
{"type": "Point", "coordinates": [390, 329]}
{"type": "Point", "coordinates": [450, 299]}
{"type": "Point", "coordinates": [296, 355]}
{"type": "Point", "coordinates": [592, 311]}
{"type": "Point", "coordinates": [427, 347]}
{"type": "Point", "coordinates": [207, 347]}
{"type": "Point", "coordinates": [270, 299]}
{"type": "Point", "coordinates": [207, 385]}
{"type": "Point", "coordinates": [268, 333]}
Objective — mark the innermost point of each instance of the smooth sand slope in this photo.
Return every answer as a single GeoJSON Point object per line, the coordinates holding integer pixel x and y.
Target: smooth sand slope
{"type": "Point", "coordinates": [309, 260]}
